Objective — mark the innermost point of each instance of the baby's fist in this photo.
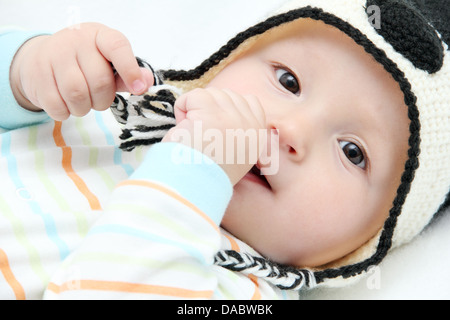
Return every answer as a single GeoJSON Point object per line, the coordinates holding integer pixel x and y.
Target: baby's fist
{"type": "Point", "coordinates": [70, 73]}
{"type": "Point", "coordinates": [223, 125]}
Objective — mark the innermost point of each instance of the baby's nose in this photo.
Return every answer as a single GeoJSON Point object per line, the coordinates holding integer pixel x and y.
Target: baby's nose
{"type": "Point", "coordinates": [292, 139]}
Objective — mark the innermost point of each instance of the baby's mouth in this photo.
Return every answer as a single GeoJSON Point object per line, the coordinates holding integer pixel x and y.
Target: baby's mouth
{"type": "Point", "coordinates": [257, 173]}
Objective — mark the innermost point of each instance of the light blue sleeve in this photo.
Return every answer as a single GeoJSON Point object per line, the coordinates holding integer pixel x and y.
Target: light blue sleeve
{"type": "Point", "coordinates": [12, 115]}
{"type": "Point", "coordinates": [192, 174]}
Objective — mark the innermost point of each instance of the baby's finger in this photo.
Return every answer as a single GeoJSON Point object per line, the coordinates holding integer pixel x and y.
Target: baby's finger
{"type": "Point", "coordinates": [99, 78]}
{"type": "Point", "coordinates": [47, 97]}
{"type": "Point", "coordinates": [196, 99]}
{"type": "Point", "coordinates": [53, 105]}
{"type": "Point", "coordinates": [248, 107]}
{"type": "Point", "coordinates": [122, 87]}
{"type": "Point", "coordinates": [180, 108]}
{"type": "Point", "coordinates": [116, 48]}
{"type": "Point", "coordinates": [72, 87]}
{"type": "Point", "coordinates": [256, 109]}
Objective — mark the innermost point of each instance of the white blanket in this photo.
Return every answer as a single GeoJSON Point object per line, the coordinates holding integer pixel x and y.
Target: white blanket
{"type": "Point", "coordinates": [180, 34]}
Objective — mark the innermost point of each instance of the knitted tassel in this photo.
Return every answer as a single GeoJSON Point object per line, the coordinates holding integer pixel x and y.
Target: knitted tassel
{"type": "Point", "coordinates": [148, 117]}
{"type": "Point", "coordinates": [280, 276]}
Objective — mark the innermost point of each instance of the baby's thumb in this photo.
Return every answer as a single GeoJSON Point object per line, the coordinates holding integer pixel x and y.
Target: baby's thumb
{"type": "Point", "coordinates": [140, 85]}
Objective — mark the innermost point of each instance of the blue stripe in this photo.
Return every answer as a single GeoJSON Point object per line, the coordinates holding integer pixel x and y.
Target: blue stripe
{"type": "Point", "coordinates": [49, 222]}
{"type": "Point", "coordinates": [136, 233]}
{"type": "Point", "coordinates": [110, 140]}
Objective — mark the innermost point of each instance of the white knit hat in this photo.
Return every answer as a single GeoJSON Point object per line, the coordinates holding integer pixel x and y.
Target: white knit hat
{"type": "Point", "coordinates": [409, 40]}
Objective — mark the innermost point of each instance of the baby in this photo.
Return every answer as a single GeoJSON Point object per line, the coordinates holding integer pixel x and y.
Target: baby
{"type": "Point", "coordinates": [340, 159]}
{"type": "Point", "coordinates": [342, 105]}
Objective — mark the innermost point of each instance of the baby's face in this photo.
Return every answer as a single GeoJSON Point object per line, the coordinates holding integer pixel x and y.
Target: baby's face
{"type": "Point", "coordinates": [342, 131]}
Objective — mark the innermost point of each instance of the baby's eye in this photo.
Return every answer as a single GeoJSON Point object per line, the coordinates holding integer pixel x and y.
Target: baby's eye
{"type": "Point", "coordinates": [288, 81]}
{"type": "Point", "coordinates": [353, 153]}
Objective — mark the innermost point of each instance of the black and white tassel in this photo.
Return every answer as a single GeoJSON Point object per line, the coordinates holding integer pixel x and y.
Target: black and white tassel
{"type": "Point", "coordinates": [148, 117]}
{"type": "Point", "coordinates": [285, 278]}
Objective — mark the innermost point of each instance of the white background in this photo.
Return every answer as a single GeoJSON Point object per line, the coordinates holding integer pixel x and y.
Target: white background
{"type": "Point", "coordinates": [180, 34]}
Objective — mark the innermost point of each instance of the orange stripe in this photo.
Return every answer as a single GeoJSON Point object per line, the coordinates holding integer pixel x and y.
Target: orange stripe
{"type": "Point", "coordinates": [234, 245]}
{"type": "Point", "coordinates": [253, 278]}
{"type": "Point", "coordinates": [257, 293]}
{"type": "Point", "coordinates": [67, 165]}
{"type": "Point", "coordinates": [172, 194]}
{"type": "Point", "coordinates": [128, 287]}
{"type": "Point", "coordinates": [10, 278]}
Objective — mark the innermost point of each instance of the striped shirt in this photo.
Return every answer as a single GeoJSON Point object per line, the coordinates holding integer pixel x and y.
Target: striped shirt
{"type": "Point", "coordinates": [81, 219]}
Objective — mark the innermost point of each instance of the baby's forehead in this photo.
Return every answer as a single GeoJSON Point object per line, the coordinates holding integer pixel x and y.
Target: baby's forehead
{"type": "Point", "coordinates": [319, 46]}
{"type": "Point", "coordinates": [308, 39]}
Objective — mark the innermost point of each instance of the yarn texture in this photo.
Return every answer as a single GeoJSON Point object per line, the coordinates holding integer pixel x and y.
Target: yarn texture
{"type": "Point", "coordinates": [146, 118]}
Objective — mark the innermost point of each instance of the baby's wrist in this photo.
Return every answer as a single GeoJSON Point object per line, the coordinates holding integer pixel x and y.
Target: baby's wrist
{"type": "Point", "coordinates": [15, 74]}
{"type": "Point", "coordinates": [191, 174]}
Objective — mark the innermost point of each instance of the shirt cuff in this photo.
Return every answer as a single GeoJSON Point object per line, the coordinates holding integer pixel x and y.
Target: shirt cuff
{"type": "Point", "coordinates": [193, 175]}
{"type": "Point", "coordinates": [12, 115]}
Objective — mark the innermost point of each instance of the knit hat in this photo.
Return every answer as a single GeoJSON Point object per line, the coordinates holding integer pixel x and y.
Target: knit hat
{"type": "Point", "coordinates": [409, 39]}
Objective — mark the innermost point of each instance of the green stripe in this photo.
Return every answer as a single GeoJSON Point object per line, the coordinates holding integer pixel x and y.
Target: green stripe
{"type": "Point", "coordinates": [144, 262]}
{"type": "Point", "coordinates": [93, 155]}
{"type": "Point", "coordinates": [50, 187]}
{"type": "Point", "coordinates": [139, 153]}
{"type": "Point", "coordinates": [156, 217]}
{"type": "Point", "coordinates": [233, 277]}
{"type": "Point", "coordinates": [20, 235]}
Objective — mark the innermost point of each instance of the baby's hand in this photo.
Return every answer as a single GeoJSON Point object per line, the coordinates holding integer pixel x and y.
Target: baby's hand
{"type": "Point", "coordinates": [70, 72]}
{"type": "Point", "coordinates": [213, 120]}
